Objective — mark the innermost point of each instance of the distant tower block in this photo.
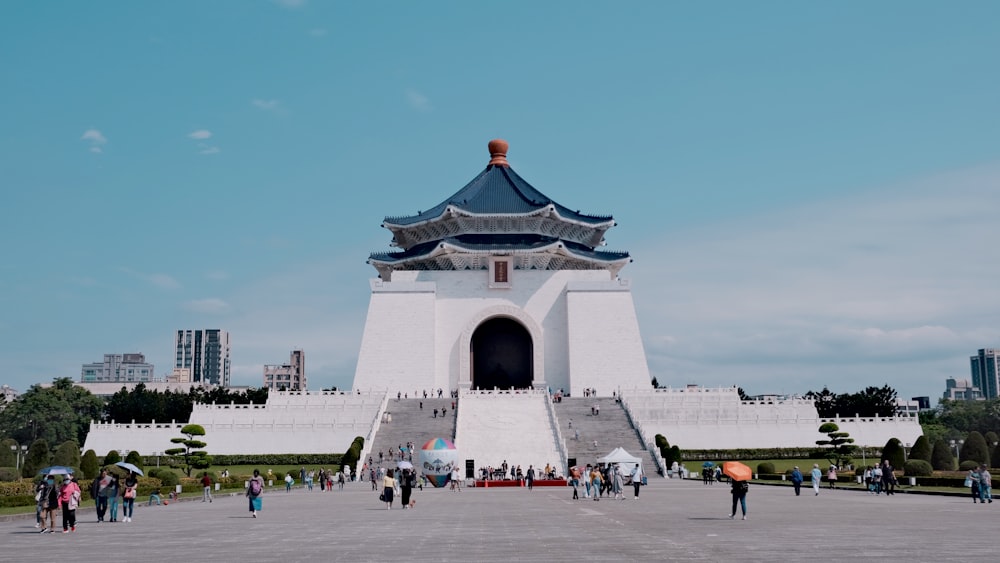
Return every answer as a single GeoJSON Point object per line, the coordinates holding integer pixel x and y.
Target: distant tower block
{"type": "Point", "coordinates": [499, 286]}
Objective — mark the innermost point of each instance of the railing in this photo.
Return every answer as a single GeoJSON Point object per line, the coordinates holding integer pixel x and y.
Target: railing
{"type": "Point", "coordinates": [370, 437]}
{"type": "Point", "coordinates": [560, 443]}
{"type": "Point", "coordinates": [654, 451]}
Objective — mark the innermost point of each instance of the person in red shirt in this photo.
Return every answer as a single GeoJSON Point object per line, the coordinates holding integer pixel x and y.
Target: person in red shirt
{"type": "Point", "coordinates": [206, 482]}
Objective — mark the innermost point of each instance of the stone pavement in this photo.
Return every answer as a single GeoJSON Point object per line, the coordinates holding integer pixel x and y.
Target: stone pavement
{"type": "Point", "coordinates": [674, 520]}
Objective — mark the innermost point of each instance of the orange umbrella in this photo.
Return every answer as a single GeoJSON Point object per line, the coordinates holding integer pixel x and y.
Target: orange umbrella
{"type": "Point", "coordinates": [737, 470]}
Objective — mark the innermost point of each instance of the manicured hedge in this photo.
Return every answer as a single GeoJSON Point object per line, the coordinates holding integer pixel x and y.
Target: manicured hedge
{"type": "Point", "coordinates": [755, 454]}
{"type": "Point", "coordinates": [261, 459]}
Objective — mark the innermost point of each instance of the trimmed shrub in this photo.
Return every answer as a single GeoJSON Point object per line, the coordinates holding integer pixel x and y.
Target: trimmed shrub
{"type": "Point", "coordinates": [918, 468]}
{"type": "Point", "coordinates": [9, 474]}
{"type": "Point", "coordinates": [765, 468]}
{"type": "Point", "coordinates": [893, 451]}
{"type": "Point", "coordinates": [8, 457]}
{"type": "Point", "coordinates": [112, 458]}
{"type": "Point", "coordinates": [68, 454]}
{"type": "Point", "coordinates": [90, 465]}
{"type": "Point", "coordinates": [968, 465]}
{"type": "Point", "coordinates": [941, 457]}
{"type": "Point", "coordinates": [921, 449]}
{"type": "Point", "coordinates": [167, 477]}
{"type": "Point", "coordinates": [38, 457]}
{"type": "Point", "coordinates": [974, 449]}
{"type": "Point", "coordinates": [675, 454]}
{"type": "Point", "coordinates": [135, 459]}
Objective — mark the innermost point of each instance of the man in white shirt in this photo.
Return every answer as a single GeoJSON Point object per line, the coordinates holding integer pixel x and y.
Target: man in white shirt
{"type": "Point", "coordinates": [636, 480]}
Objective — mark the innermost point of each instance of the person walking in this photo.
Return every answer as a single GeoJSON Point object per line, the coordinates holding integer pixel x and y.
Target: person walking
{"type": "Point", "coordinates": [255, 488]}
{"type": "Point", "coordinates": [586, 481]}
{"type": "Point", "coordinates": [288, 483]}
{"type": "Point", "coordinates": [816, 475]}
{"type": "Point", "coordinates": [99, 492]}
{"type": "Point", "coordinates": [797, 480]}
{"type": "Point", "coordinates": [48, 502]}
{"type": "Point", "coordinates": [69, 499]}
{"type": "Point", "coordinates": [206, 482]}
{"type": "Point", "coordinates": [406, 483]}
{"type": "Point", "coordinates": [529, 477]}
{"type": "Point", "coordinates": [128, 496]}
{"type": "Point", "coordinates": [618, 483]}
{"type": "Point", "coordinates": [574, 481]}
{"type": "Point", "coordinates": [114, 491]}
{"type": "Point", "coordinates": [831, 476]}
{"type": "Point", "coordinates": [636, 480]}
{"type": "Point", "coordinates": [888, 478]}
{"type": "Point", "coordinates": [985, 484]}
{"type": "Point", "coordinates": [974, 483]}
{"type": "Point", "coordinates": [456, 479]}
{"type": "Point", "coordinates": [740, 489]}
{"type": "Point", "coordinates": [595, 479]}
{"type": "Point", "coordinates": [388, 488]}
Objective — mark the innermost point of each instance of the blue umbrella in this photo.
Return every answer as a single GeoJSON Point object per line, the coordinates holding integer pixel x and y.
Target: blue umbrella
{"type": "Point", "coordinates": [130, 467]}
{"type": "Point", "coordinates": [708, 464]}
{"type": "Point", "coordinates": [57, 470]}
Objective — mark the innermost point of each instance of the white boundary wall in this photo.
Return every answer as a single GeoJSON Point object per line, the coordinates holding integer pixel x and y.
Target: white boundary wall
{"type": "Point", "coordinates": [304, 422]}
{"type": "Point", "coordinates": [582, 324]}
{"type": "Point", "coordinates": [715, 418]}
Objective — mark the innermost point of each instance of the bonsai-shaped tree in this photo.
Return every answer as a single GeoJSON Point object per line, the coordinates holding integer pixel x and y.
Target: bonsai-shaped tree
{"type": "Point", "coordinates": [194, 456]}
{"type": "Point", "coordinates": [840, 444]}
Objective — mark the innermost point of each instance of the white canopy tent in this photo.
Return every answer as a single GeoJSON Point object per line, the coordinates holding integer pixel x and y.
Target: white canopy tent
{"type": "Point", "coordinates": [622, 457]}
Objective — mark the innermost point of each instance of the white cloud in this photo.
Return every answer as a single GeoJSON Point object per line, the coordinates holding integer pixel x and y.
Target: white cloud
{"type": "Point", "coordinates": [95, 138]}
{"type": "Point", "coordinates": [895, 287]}
{"type": "Point", "coordinates": [162, 281]}
{"type": "Point", "coordinates": [211, 306]}
{"type": "Point", "coordinates": [200, 134]}
{"type": "Point", "coordinates": [417, 100]}
{"type": "Point", "coordinates": [266, 105]}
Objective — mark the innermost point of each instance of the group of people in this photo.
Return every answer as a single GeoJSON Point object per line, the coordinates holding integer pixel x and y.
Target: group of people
{"type": "Point", "coordinates": [399, 483]}
{"type": "Point", "coordinates": [110, 492]}
{"type": "Point", "coordinates": [880, 479]}
{"type": "Point", "coordinates": [51, 497]}
{"type": "Point", "coordinates": [598, 481]}
{"type": "Point", "coordinates": [980, 484]}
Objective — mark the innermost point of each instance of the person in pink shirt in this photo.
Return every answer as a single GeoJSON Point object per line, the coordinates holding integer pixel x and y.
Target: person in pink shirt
{"type": "Point", "coordinates": [69, 499]}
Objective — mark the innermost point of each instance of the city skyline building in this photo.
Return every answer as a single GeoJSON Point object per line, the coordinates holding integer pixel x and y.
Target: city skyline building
{"type": "Point", "coordinates": [118, 368]}
{"type": "Point", "coordinates": [287, 377]}
{"type": "Point", "coordinates": [961, 390]}
{"type": "Point", "coordinates": [985, 367]}
{"type": "Point", "coordinates": [205, 353]}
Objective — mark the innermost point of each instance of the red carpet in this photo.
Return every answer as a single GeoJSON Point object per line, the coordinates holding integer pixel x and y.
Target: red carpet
{"type": "Point", "coordinates": [511, 483]}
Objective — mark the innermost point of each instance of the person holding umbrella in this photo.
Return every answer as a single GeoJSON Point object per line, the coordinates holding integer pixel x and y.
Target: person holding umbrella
{"type": "Point", "coordinates": [739, 475]}
{"type": "Point", "coordinates": [740, 489]}
{"type": "Point", "coordinates": [128, 496]}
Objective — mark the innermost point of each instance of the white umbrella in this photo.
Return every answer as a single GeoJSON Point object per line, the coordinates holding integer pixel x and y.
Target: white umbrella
{"type": "Point", "coordinates": [404, 465]}
{"type": "Point", "coordinates": [130, 467]}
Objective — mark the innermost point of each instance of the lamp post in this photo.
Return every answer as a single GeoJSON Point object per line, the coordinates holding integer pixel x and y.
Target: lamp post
{"type": "Point", "coordinates": [906, 451]}
{"type": "Point", "coordinates": [957, 444]}
{"type": "Point", "coordinates": [19, 455]}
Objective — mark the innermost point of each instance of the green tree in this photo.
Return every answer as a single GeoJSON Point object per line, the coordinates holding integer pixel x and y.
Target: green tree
{"type": "Point", "coordinates": [68, 454]}
{"type": "Point", "coordinates": [112, 458]}
{"type": "Point", "coordinates": [921, 449]}
{"type": "Point", "coordinates": [89, 464]}
{"type": "Point", "coordinates": [675, 455]}
{"type": "Point", "coordinates": [38, 457]}
{"type": "Point", "coordinates": [974, 449]}
{"type": "Point", "coordinates": [893, 451]}
{"type": "Point", "coordinates": [941, 456]}
{"type": "Point", "coordinates": [839, 444]}
{"type": "Point", "coordinates": [60, 412]}
{"type": "Point", "coordinates": [194, 456]}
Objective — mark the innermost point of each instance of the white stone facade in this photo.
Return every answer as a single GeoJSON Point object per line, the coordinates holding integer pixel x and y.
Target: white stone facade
{"type": "Point", "coordinates": [320, 422]}
{"type": "Point", "coordinates": [582, 325]}
{"type": "Point", "coordinates": [707, 419]}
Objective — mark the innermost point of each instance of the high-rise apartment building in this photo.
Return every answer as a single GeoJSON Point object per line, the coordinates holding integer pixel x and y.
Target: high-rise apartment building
{"type": "Point", "coordinates": [118, 368]}
{"type": "Point", "coordinates": [961, 390]}
{"type": "Point", "coordinates": [205, 354]}
{"type": "Point", "coordinates": [986, 372]}
{"type": "Point", "coordinates": [288, 377]}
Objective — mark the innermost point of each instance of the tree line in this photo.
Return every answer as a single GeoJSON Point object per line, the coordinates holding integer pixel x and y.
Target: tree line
{"type": "Point", "coordinates": [63, 411]}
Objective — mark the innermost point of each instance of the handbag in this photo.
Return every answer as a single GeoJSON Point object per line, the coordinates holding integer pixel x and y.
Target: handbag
{"type": "Point", "coordinates": [968, 481]}
{"type": "Point", "coordinates": [381, 497]}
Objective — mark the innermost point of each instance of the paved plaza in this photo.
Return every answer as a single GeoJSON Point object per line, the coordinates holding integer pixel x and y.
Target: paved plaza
{"type": "Point", "coordinates": [673, 520]}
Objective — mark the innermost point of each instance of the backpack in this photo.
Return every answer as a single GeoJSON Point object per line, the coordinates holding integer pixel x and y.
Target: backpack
{"type": "Point", "coordinates": [743, 487]}
{"type": "Point", "coordinates": [255, 487]}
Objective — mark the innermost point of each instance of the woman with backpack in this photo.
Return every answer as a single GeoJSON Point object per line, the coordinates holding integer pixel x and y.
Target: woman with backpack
{"type": "Point", "coordinates": [255, 488]}
{"type": "Point", "coordinates": [740, 489]}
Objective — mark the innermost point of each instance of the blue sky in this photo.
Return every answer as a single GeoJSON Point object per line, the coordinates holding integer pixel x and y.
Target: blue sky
{"type": "Point", "coordinates": [809, 190]}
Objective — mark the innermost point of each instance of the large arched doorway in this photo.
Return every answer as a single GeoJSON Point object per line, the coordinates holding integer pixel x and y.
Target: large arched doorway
{"type": "Point", "coordinates": [501, 355]}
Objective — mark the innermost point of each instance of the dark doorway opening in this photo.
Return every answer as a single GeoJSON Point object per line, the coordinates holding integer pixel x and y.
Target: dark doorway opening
{"type": "Point", "coordinates": [501, 355]}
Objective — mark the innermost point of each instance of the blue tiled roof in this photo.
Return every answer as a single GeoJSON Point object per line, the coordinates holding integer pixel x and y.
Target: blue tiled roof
{"type": "Point", "coordinates": [502, 242]}
{"type": "Point", "coordinates": [497, 190]}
